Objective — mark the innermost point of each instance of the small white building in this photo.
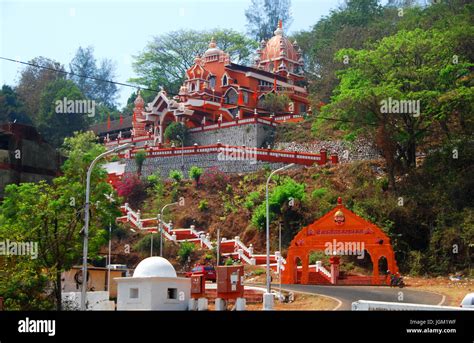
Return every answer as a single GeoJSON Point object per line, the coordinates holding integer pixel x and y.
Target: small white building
{"type": "Point", "coordinates": [154, 286]}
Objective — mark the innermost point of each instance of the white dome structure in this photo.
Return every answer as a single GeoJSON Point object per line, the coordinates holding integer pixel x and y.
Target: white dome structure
{"type": "Point", "coordinates": [155, 267]}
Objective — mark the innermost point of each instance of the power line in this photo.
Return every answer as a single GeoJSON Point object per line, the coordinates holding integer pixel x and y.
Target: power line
{"type": "Point", "coordinates": [81, 76]}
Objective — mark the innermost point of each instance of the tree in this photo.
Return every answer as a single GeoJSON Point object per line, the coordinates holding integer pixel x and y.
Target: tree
{"type": "Point", "coordinates": [53, 124]}
{"type": "Point", "coordinates": [174, 130]}
{"type": "Point", "coordinates": [12, 108]}
{"type": "Point", "coordinates": [140, 158]}
{"type": "Point", "coordinates": [263, 16]}
{"type": "Point", "coordinates": [165, 59]}
{"type": "Point", "coordinates": [415, 66]}
{"type": "Point", "coordinates": [281, 194]}
{"type": "Point", "coordinates": [195, 173]}
{"type": "Point", "coordinates": [185, 251]}
{"type": "Point", "coordinates": [34, 80]}
{"type": "Point", "coordinates": [54, 216]}
{"type": "Point", "coordinates": [275, 103]}
{"type": "Point", "coordinates": [85, 64]}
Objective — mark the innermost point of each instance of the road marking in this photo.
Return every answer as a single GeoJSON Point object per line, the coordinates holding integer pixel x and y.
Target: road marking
{"type": "Point", "coordinates": [321, 295]}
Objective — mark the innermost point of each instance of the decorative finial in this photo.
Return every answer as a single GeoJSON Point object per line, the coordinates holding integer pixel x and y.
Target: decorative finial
{"type": "Point", "coordinates": [279, 30]}
{"type": "Point", "coordinates": [339, 201]}
{"type": "Point", "coordinates": [212, 44]}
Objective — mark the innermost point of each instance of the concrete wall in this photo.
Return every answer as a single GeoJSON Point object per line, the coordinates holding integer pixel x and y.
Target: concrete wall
{"type": "Point", "coordinates": [250, 135]}
{"type": "Point", "coordinates": [153, 293]}
{"type": "Point", "coordinates": [164, 165]}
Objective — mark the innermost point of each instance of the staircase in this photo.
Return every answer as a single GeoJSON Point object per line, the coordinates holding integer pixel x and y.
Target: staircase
{"type": "Point", "coordinates": [233, 248]}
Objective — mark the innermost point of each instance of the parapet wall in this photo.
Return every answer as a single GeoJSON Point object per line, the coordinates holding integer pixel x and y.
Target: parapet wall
{"type": "Point", "coordinates": [163, 165]}
{"type": "Point", "coordinates": [255, 135]}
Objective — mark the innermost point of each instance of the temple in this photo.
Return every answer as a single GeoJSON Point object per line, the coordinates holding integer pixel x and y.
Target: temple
{"type": "Point", "coordinates": [217, 91]}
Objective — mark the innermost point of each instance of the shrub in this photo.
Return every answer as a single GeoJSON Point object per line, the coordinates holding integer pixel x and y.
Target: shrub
{"type": "Point", "coordinates": [132, 189]}
{"type": "Point", "coordinates": [174, 130]}
{"type": "Point", "coordinates": [195, 173]}
{"type": "Point", "coordinates": [140, 157]}
{"type": "Point", "coordinates": [251, 200]}
{"type": "Point", "coordinates": [203, 205]}
{"type": "Point", "coordinates": [185, 250]}
{"type": "Point", "coordinates": [319, 193]}
{"type": "Point", "coordinates": [214, 178]}
{"type": "Point", "coordinates": [176, 175]}
{"type": "Point", "coordinates": [258, 272]}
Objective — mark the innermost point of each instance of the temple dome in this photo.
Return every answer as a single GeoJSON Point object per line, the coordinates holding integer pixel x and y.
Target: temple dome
{"type": "Point", "coordinates": [279, 46]}
{"type": "Point", "coordinates": [154, 267]}
{"type": "Point", "coordinates": [213, 49]}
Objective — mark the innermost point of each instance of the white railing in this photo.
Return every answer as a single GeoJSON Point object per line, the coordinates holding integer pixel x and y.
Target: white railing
{"type": "Point", "coordinates": [320, 268]}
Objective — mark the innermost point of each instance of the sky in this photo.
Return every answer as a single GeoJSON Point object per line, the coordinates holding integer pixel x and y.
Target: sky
{"type": "Point", "coordinates": [118, 29]}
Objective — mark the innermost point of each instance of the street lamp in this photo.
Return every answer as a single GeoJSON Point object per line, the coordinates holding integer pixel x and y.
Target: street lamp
{"type": "Point", "coordinates": [182, 152]}
{"type": "Point", "coordinates": [268, 297]}
{"type": "Point", "coordinates": [86, 219]}
{"type": "Point", "coordinates": [160, 219]}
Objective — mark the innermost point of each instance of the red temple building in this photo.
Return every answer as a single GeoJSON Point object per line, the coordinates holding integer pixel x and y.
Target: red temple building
{"type": "Point", "coordinates": [218, 91]}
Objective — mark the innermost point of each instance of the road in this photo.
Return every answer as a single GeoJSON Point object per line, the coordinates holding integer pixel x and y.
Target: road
{"type": "Point", "coordinates": [348, 294]}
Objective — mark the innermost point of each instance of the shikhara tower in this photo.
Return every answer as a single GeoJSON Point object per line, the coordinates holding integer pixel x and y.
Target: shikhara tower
{"type": "Point", "coordinates": [216, 90]}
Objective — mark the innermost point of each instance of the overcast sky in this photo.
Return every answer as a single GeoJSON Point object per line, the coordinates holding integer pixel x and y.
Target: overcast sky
{"type": "Point", "coordinates": [118, 29]}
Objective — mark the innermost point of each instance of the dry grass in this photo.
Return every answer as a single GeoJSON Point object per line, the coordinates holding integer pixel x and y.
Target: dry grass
{"type": "Point", "coordinates": [453, 290]}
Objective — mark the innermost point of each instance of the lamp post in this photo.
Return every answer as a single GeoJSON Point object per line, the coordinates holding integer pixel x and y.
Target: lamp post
{"type": "Point", "coordinates": [268, 296]}
{"type": "Point", "coordinates": [86, 220]}
{"type": "Point", "coordinates": [160, 218]}
{"type": "Point", "coordinates": [182, 152]}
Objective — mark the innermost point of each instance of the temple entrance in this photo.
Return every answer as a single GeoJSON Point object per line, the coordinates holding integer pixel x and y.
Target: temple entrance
{"type": "Point", "coordinates": [339, 233]}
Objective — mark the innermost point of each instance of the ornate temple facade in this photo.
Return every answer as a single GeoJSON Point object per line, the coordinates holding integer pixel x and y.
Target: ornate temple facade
{"type": "Point", "coordinates": [217, 91]}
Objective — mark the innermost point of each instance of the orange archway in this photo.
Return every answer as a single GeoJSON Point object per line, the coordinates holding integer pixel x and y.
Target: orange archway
{"type": "Point", "coordinates": [338, 232]}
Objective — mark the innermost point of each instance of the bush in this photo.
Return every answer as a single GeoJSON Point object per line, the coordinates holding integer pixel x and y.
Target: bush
{"type": "Point", "coordinates": [319, 193]}
{"type": "Point", "coordinates": [132, 189]}
{"type": "Point", "coordinates": [203, 205]}
{"type": "Point", "coordinates": [176, 175]}
{"type": "Point", "coordinates": [140, 157]}
{"type": "Point", "coordinates": [195, 173]}
{"type": "Point", "coordinates": [214, 178]}
{"type": "Point", "coordinates": [280, 194]}
{"type": "Point", "coordinates": [185, 250]}
{"type": "Point", "coordinates": [258, 272]}
{"type": "Point", "coordinates": [174, 130]}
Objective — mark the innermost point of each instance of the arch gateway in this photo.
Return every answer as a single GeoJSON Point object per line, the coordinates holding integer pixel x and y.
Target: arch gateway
{"type": "Point", "coordinates": [338, 232]}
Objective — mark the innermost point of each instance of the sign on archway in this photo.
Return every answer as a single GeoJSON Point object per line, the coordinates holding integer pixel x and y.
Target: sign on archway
{"type": "Point", "coordinates": [339, 232]}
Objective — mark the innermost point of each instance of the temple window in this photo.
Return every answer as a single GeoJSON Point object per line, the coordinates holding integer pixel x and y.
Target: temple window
{"type": "Point", "coordinates": [246, 97]}
{"type": "Point", "coordinates": [231, 97]}
{"type": "Point", "coordinates": [225, 80]}
{"type": "Point", "coordinates": [212, 82]}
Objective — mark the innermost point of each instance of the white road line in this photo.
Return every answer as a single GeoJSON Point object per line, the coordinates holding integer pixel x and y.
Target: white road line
{"type": "Point", "coordinates": [321, 295]}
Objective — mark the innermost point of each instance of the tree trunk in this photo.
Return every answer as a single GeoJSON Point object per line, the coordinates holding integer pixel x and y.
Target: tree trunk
{"type": "Point", "coordinates": [58, 290]}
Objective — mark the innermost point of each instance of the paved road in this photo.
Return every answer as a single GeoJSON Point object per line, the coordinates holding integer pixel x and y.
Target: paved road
{"type": "Point", "coordinates": [349, 294]}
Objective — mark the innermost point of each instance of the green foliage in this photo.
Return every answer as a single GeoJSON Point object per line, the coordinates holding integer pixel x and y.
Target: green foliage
{"type": "Point", "coordinates": [11, 107]}
{"type": "Point", "coordinates": [275, 103]}
{"type": "Point", "coordinates": [229, 262]}
{"type": "Point", "coordinates": [252, 199]}
{"type": "Point", "coordinates": [53, 125]}
{"type": "Point", "coordinates": [288, 189]}
{"type": "Point", "coordinates": [52, 215]}
{"type": "Point", "coordinates": [263, 15]}
{"type": "Point", "coordinates": [195, 173]}
{"type": "Point", "coordinates": [203, 205]}
{"type": "Point", "coordinates": [319, 193]}
{"type": "Point", "coordinates": [175, 130]}
{"type": "Point", "coordinates": [143, 246]}
{"type": "Point", "coordinates": [185, 250]}
{"type": "Point", "coordinates": [176, 175]}
{"type": "Point", "coordinates": [258, 272]}
{"type": "Point", "coordinates": [140, 158]}
{"type": "Point", "coordinates": [166, 58]}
